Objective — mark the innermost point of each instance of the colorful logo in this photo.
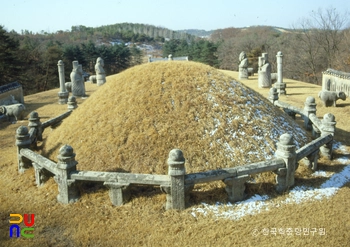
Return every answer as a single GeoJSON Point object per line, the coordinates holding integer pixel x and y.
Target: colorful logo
{"type": "Point", "coordinates": [15, 228]}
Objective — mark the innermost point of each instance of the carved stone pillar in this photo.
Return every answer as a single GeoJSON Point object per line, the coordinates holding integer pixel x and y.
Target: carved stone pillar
{"type": "Point", "coordinates": [22, 141]}
{"type": "Point", "coordinates": [328, 127]}
{"type": "Point", "coordinates": [310, 107]}
{"type": "Point", "coordinates": [286, 151]}
{"type": "Point", "coordinates": [280, 85]}
{"type": "Point", "coordinates": [176, 191]}
{"type": "Point", "coordinates": [34, 123]}
{"type": "Point", "coordinates": [67, 189]}
{"type": "Point", "coordinates": [63, 93]}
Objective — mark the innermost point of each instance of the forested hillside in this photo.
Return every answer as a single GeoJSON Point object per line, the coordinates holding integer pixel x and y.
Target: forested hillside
{"type": "Point", "coordinates": [31, 58]}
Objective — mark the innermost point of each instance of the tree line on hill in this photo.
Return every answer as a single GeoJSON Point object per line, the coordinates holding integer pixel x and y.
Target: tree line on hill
{"type": "Point", "coordinates": [318, 42]}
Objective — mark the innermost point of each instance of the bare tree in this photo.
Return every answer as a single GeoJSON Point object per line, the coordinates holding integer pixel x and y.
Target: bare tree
{"type": "Point", "coordinates": [318, 43]}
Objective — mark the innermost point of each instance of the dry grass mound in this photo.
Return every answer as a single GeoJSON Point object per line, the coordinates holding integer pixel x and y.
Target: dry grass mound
{"type": "Point", "coordinates": [132, 122]}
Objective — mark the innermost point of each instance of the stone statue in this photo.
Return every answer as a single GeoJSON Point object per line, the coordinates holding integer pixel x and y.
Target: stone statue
{"type": "Point", "coordinates": [329, 98]}
{"type": "Point", "coordinates": [264, 73]}
{"type": "Point", "coordinates": [15, 111]}
{"type": "Point", "coordinates": [243, 66]}
{"type": "Point", "coordinates": [78, 87]}
{"type": "Point", "coordinates": [100, 72]}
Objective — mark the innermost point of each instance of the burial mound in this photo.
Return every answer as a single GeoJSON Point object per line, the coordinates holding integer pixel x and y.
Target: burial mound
{"type": "Point", "coordinates": [132, 122]}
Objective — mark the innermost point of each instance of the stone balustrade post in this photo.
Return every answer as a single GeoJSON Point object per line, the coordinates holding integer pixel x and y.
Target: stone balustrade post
{"type": "Point", "coordinates": [273, 95]}
{"type": "Point", "coordinates": [176, 191]}
{"type": "Point", "coordinates": [235, 187]}
{"type": "Point", "coordinates": [34, 123]}
{"type": "Point", "coordinates": [309, 108]}
{"type": "Point", "coordinates": [67, 189]}
{"type": "Point", "coordinates": [63, 93]}
{"type": "Point", "coordinates": [72, 103]}
{"type": "Point", "coordinates": [328, 127]}
{"type": "Point", "coordinates": [22, 141]}
{"type": "Point", "coordinates": [286, 151]}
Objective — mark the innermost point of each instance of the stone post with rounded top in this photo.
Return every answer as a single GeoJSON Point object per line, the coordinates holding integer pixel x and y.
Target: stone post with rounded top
{"type": "Point", "coordinates": [176, 191]}
{"type": "Point", "coordinates": [63, 93]}
{"type": "Point", "coordinates": [34, 123]}
{"type": "Point", "coordinates": [273, 95]}
{"type": "Point", "coordinates": [67, 189]}
{"type": "Point", "coordinates": [286, 151]}
{"type": "Point", "coordinates": [309, 108]}
{"type": "Point", "coordinates": [72, 103]}
{"type": "Point", "coordinates": [22, 141]}
{"type": "Point", "coordinates": [328, 127]}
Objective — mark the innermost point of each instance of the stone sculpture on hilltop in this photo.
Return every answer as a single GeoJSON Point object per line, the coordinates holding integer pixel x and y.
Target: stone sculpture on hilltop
{"type": "Point", "coordinates": [243, 66]}
{"type": "Point", "coordinates": [264, 73]}
{"type": "Point", "coordinates": [77, 81]}
{"type": "Point", "coordinates": [100, 72]}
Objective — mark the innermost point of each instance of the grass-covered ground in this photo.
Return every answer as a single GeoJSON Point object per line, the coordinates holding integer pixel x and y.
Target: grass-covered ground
{"type": "Point", "coordinates": [93, 221]}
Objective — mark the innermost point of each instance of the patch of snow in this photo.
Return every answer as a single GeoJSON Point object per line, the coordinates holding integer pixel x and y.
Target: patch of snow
{"type": "Point", "coordinates": [322, 174]}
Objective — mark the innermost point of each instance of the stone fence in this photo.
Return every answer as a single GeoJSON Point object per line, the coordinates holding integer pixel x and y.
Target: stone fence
{"type": "Point", "coordinates": [334, 80]}
{"type": "Point", "coordinates": [177, 184]}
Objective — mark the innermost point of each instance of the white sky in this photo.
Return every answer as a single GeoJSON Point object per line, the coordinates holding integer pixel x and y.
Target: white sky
{"type": "Point", "coordinates": [51, 16]}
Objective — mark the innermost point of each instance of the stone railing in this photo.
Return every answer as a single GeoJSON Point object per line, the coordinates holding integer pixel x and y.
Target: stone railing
{"type": "Point", "coordinates": [334, 80]}
{"type": "Point", "coordinates": [177, 184]}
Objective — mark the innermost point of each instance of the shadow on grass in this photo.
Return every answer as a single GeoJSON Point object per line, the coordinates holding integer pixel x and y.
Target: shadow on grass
{"type": "Point", "coordinates": [343, 104]}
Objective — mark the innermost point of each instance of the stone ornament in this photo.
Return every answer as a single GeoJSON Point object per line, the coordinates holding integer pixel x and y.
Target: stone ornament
{"type": "Point", "coordinates": [100, 72]}
{"type": "Point", "coordinates": [243, 66]}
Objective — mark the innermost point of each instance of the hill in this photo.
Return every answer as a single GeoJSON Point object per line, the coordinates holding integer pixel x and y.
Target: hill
{"type": "Point", "coordinates": [139, 115]}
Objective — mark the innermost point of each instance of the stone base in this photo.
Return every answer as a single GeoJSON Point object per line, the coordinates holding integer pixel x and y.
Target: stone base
{"type": "Point", "coordinates": [281, 88]}
{"type": "Point", "coordinates": [63, 98]}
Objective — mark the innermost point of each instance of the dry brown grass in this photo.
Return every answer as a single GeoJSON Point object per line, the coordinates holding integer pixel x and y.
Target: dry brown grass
{"type": "Point", "coordinates": [93, 221]}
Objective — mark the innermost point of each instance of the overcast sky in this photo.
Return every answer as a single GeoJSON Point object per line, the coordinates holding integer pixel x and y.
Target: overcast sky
{"type": "Point", "coordinates": [51, 16]}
